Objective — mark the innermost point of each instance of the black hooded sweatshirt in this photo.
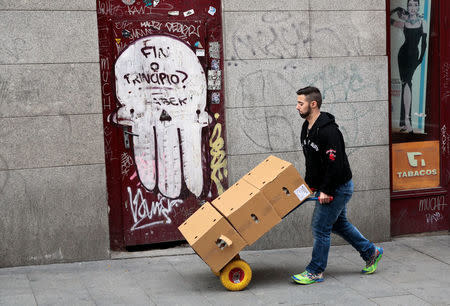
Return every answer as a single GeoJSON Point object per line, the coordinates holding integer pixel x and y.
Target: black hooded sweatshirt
{"type": "Point", "coordinates": [327, 165]}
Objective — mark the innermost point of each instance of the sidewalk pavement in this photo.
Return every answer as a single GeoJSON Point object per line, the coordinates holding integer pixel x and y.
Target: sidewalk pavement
{"type": "Point", "coordinates": [413, 271]}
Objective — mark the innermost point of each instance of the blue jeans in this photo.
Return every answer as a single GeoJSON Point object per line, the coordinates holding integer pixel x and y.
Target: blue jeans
{"type": "Point", "coordinates": [332, 217]}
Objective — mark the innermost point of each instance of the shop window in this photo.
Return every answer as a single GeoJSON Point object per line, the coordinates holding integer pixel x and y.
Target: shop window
{"type": "Point", "coordinates": [414, 102]}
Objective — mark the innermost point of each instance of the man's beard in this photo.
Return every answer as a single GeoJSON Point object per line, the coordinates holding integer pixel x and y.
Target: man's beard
{"type": "Point", "coordinates": [306, 114]}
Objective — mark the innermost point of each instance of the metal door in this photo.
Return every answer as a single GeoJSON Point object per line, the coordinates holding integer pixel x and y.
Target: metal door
{"type": "Point", "coordinates": [164, 132]}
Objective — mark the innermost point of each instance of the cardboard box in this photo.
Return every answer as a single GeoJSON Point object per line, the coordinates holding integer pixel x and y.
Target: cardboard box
{"type": "Point", "coordinates": [212, 237]}
{"type": "Point", "coordinates": [280, 183]}
{"type": "Point", "coordinates": [248, 210]}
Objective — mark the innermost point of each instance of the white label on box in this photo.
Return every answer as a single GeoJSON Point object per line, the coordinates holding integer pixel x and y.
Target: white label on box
{"type": "Point", "coordinates": [302, 192]}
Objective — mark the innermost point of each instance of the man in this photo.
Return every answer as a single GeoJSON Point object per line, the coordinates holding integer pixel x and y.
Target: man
{"type": "Point", "coordinates": [328, 172]}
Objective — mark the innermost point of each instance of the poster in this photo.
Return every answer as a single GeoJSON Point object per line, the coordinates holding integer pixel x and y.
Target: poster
{"type": "Point", "coordinates": [415, 165]}
{"type": "Point", "coordinates": [409, 61]}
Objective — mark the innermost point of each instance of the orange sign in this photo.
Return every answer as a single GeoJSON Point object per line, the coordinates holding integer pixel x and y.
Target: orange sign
{"type": "Point", "coordinates": [415, 165]}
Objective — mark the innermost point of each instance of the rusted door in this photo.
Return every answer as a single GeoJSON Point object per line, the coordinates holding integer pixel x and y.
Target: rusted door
{"type": "Point", "coordinates": [164, 136]}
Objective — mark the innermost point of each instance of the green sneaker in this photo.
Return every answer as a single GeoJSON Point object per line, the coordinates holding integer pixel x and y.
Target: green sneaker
{"type": "Point", "coordinates": [307, 278]}
{"type": "Point", "coordinates": [371, 264]}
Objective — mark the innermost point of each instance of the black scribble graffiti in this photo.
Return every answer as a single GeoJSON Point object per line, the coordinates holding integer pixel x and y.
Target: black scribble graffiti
{"type": "Point", "coordinates": [279, 36]}
{"type": "Point", "coordinates": [333, 80]}
{"type": "Point", "coordinates": [3, 90]}
{"type": "Point", "coordinates": [155, 52]}
{"type": "Point", "coordinates": [5, 175]}
{"type": "Point", "coordinates": [14, 48]}
{"type": "Point", "coordinates": [262, 124]}
{"type": "Point", "coordinates": [339, 42]}
{"type": "Point", "coordinates": [261, 121]}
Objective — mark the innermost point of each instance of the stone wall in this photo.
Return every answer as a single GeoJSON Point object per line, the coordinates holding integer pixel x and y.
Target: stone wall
{"type": "Point", "coordinates": [52, 174]}
{"type": "Point", "coordinates": [274, 48]}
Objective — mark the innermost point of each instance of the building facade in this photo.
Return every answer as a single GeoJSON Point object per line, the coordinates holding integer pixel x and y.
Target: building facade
{"type": "Point", "coordinates": [75, 176]}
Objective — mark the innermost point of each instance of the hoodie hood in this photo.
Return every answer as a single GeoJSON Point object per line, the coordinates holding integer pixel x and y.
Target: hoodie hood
{"type": "Point", "coordinates": [324, 119]}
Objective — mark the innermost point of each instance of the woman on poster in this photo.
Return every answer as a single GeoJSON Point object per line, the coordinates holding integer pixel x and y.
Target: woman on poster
{"type": "Point", "coordinates": [413, 26]}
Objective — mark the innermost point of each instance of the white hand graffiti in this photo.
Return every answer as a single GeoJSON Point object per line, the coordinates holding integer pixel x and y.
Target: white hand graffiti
{"type": "Point", "coordinates": [161, 86]}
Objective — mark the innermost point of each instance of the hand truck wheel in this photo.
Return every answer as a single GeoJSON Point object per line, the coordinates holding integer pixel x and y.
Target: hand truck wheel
{"type": "Point", "coordinates": [236, 275]}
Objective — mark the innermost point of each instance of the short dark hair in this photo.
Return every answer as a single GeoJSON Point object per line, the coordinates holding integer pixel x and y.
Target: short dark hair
{"type": "Point", "coordinates": [312, 94]}
{"type": "Point", "coordinates": [408, 1]}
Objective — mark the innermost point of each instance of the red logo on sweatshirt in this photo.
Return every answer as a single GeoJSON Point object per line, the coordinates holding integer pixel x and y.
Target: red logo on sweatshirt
{"type": "Point", "coordinates": [331, 154]}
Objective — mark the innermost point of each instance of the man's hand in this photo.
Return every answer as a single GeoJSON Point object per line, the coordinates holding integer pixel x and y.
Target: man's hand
{"type": "Point", "coordinates": [325, 198]}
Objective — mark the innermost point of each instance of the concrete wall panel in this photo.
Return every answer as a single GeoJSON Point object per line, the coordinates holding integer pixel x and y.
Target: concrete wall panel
{"type": "Point", "coordinates": [56, 214]}
{"type": "Point", "coordinates": [295, 230]}
{"type": "Point", "coordinates": [359, 120]}
{"type": "Point", "coordinates": [52, 172]}
{"type": "Point", "coordinates": [31, 90]}
{"type": "Point", "coordinates": [45, 141]}
{"type": "Point", "coordinates": [299, 34]}
{"type": "Point", "coordinates": [272, 34]}
{"type": "Point", "coordinates": [65, 5]}
{"type": "Point", "coordinates": [345, 5]}
{"type": "Point", "coordinates": [337, 33]}
{"type": "Point", "coordinates": [239, 165]}
{"type": "Point", "coordinates": [265, 5]}
{"type": "Point", "coordinates": [369, 167]}
{"type": "Point", "coordinates": [48, 37]}
{"type": "Point", "coordinates": [277, 128]}
{"type": "Point", "coordinates": [274, 82]}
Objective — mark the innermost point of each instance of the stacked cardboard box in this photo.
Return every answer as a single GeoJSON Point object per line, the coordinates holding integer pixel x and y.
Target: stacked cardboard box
{"type": "Point", "coordinates": [218, 231]}
{"type": "Point", "coordinates": [212, 237]}
{"type": "Point", "coordinates": [280, 183]}
{"type": "Point", "coordinates": [246, 208]}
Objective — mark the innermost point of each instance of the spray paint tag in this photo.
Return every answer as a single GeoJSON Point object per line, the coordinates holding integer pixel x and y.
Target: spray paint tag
{"type": "Point", "coordinates": [189, 13]}
{"type": "Point", "coordinates": [174, 13]}
{"type": "Point", "coordinates": [212, 10]}
{"type": "Point", "coordinates": [155, 3]}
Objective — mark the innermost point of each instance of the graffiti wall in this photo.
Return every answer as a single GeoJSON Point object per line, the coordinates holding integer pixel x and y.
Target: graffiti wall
{"type": "Point", "coordinates": [161, 71]}
{"type": "Point", "coordinates": [413, 215]}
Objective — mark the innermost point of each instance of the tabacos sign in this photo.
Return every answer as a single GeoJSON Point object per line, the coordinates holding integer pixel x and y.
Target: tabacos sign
{"type": "Point", "coordinates": [415, 165]}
